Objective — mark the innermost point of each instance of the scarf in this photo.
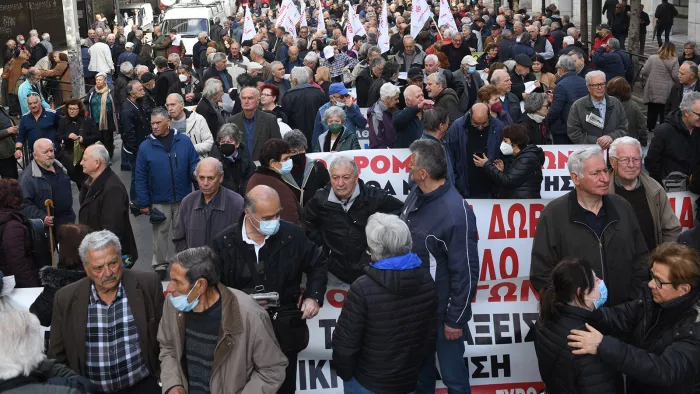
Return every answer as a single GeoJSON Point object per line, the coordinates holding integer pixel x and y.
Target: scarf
{"type": "Point", "coordinates": [104, 93]}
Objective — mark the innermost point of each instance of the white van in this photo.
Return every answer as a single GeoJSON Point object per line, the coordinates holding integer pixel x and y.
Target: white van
{"type": "Point", "coordinates": [191, 19]}
{"type": "Point", "coordinates": [140, 14]}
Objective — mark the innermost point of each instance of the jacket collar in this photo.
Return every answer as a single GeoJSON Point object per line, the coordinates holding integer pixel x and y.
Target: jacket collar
{"type": "Point", "coordinates": [231, 321]}
{"type": "Point", "coordinates": [301, 86]}
{"type": "Point", "coordinates": [36, 171]}
{"type": "Point", "coordinates": [175, 132]}
{"type": "Point", "coordinates": [589, 102]}
{"type": "Point", "coordinates": [219, 200]}
{"type": "Point", "coordinates": [651, 187]}
{"type": "Point", "coordinates": [577, 211]}
{"type": "Point", "coordinates": [99, 183]}
{"type": "Point", "coordinates": [268, 171]}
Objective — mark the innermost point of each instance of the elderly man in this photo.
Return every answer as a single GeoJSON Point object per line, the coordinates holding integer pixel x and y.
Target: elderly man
{"type": "Point", "coordinates": [656, 219]}
{"type": "Point", "coordinates": [218, 70]}
{"type": "Point", "coordinates": [292, 59]}
{"type": "Point", "coordinates": [394, 292]}
{"type": "Point", "coordinates": [135, 127]}
{"type": "Point", "coordinates": [30, 87]}
{"type": "Point", "coordinates": [569, 88]}
{"type": "Point", "coordinates": [456, 51]}
{"type": "Point", "coordinates": [189, 123]}
{"type": "Point", "coordinates": [259, 126]}
{"type": "Point", "coordinates": [261, 253]}
{"type": "Point", "coordinates": [336, 215]}
{"type": "Point", "coordinates": [540, 44]}
{"type": "Point", "coordinates": [590, 223]}
{"type": "Point", "coordinates": [432, 66]}
{"type": "Point", "coordinates": [302, 102]}
{"type": "Point", "coordinates": [45, 179]}
{"type": "Point", "coordinates": [609, 60]}
{"type": "Point", "coordinates": [37, 122]}
{"type": "Point", "coordinates": [162, 180]}
{"type": "Point", "coordinates": [596, 118]}
{"type": "Point", "coordinates": [443, 229]}
{"type": "Point", "coordinates": [101, 59]}
{"type": "Point", "coordinates": [380, 117]}
{"type": "Point", "coordinates": [104, 326]}
{"type": "Point", "coordinates": [521, 75]}
{"type": "Point", "coordinates": [206, 212]}
{"type": "Point", "coordinates": [688, 76]}
{"type": "Point", "coordinates": [104, 202]}
{"type": "Point", "coordinates": [442, 96]}
{"type": "Point", "coordinates": [509, 101]}
{"type": "Point", "coordinates": [340, 97]}
{"type": "Point", "coordinates": [128, 55]}
{"type": "Point", "coordinates": [474, 136]}
{"type": "Point", "coordinates": [408, 122]}
{"type": "Point", "coordinates": [210, 313]}
{"type": "Point", "coordinates": [257, 56]}
{"type": "Point", "coordinates": [674, 151]}
{"type": "Point", "coordinates": [278, 78]}
{"type": "Point", "coordinates": [411, 56]}
{"type": "Point", "coordinates": [366, 78]}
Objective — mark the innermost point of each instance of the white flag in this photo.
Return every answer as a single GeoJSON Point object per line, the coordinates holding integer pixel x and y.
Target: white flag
{"type": "Point", "coordinates": [303, 14]}
{"type": "Point", "coordinates": [383, 30]}
{"type": "Point", "coordinates": [290, 20]}
{"type": "Point", "coordinates": [248, 26]}
{"type": "Point", "coordinates": [420, 13]}
{"type": "Point", "coordinates": [446, 17]}
{"type": "Point", "coordinates": [355, 27]}
{"type": "Point", "coordinates": [320, 21]}
{"type": "Point", "coordinates": [282, 11]}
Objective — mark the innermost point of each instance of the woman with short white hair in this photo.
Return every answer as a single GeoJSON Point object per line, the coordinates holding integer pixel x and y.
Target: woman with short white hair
{"type": "Point", "coordinates": [379, 116]}
{"type": "Point", "coordinates": [337, 138]}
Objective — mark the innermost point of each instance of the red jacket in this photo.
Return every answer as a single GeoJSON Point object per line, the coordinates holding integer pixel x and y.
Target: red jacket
{"type": "Point", "coordinates": [600, 41]}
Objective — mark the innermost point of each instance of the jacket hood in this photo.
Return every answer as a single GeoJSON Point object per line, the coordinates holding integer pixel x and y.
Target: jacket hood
{"type": "Point", "coordinates": [534, 150]}
{"type": "Point", "coordinates": [675, 119]}
{"type": "Point", "coordinates": [8, 216]}
{"type": "Point", "coordinates": [60, 277]}
{"type": "Point", "coordinates": [400, 274]}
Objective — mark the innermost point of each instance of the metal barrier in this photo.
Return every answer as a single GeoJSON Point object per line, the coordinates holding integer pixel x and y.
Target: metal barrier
{"type": "Point", "coordinates": [56, 95]}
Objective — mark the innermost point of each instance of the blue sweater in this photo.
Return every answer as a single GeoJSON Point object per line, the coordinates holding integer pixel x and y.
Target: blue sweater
{"type": "Point", "coordinates": [165, 177]}
{"type": "Point", "coordinates": [48, 123]}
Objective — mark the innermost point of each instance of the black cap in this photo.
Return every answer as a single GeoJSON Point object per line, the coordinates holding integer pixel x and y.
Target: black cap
{"type": "Point", "coordinates": [523, 60]}
{"type": "Point", "coordinates": [147, 77]}
{"type": "Point", "coordinates": [496, 27]}
{"type": "Point", "coordinates": [603, 26]}
{"type": "Point", "coordinates": [414, 73]}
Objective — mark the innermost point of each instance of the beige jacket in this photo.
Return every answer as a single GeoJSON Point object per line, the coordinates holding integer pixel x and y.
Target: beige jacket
{"type": "Point", "coordinates": [247, 359]}
{"type": "Point", "coordinates": [667, 227]}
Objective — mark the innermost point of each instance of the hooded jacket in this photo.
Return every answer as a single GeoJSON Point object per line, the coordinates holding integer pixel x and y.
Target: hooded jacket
{"type": "Point", "coordinates": [447, 99]}
{"type": "Point", "coordinates": [522, 176]}
{"type": "Point", "coordinates": [53, 279]}
{"type": "Point", "coordinates": [673, 148]}
{"type": "Point", "coordinates": [394, 292]}
{"type": "Point", "coordinates": [15, 248]}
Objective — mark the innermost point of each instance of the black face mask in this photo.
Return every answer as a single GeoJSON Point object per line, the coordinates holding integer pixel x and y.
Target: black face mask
{"type": "Point", "coordinates": [299, 159]}
{"type": "Point", "coordinates": [227, 149]}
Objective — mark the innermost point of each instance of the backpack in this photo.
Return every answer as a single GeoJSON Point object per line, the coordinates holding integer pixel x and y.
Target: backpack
{"type": "Point", "coordinates": [39, 241]}
{"type": "Point", "coordinates": [676, 181]}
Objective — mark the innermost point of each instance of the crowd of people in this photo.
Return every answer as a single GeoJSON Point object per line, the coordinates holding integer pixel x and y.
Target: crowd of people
{"type": "Point", "coordinates": [250, 230]}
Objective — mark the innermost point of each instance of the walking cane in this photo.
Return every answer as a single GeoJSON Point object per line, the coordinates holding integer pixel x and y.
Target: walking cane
{"type": "Point", "coordinates": [49, 204]}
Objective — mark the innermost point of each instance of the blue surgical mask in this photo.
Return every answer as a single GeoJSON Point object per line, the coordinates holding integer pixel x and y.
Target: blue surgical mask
{"type": "Point", "coordinates": [181, 304]}
{"type": "Point", "coordinates": [472, 69]}
{"type": "Point", "coordinates": [268, 227]}
{"type": "Point", "coordinates": [286, 167]}
{"type": "Point", "coordinates": [598, 303]}
{"type": "Point", "coordinates": [340, 104]}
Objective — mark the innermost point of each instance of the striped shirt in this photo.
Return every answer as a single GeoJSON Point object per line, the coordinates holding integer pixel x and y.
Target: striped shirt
{"type": "Point", "coordinates": [201, 337]}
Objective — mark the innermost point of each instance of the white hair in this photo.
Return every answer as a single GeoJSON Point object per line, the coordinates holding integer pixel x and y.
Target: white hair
{"type": "Point", "coordinates": [300, 75]}
{"type": "Point", "coordinates": [126, 68]}
{"type": "Point", "coordinates": [46, 37]}
{"type": "Point", "coordinates": [593, 74]}
{"type": "Point", "coordinates": [432, 58]}
{"type": "Point", "coordinates": [99, 152]}
{"type": "Point", "coordinates": [388, 90]}
{"type": "Point", "coordinates": [626, 140]}
{"type": "Point", "coordinates": [568, 40]}
{"type": "Point", "coordinates": [98, 240]}
{"type": "Point", "coordinates": [257, 49]}
{"type": "Point", "coordinates": [21, 342]}
{"type": "Point", "coordinates": [387, 236]}
{"type": "Point", "coordinates": [311, 57]}
{"type": "Point", "coordinates": [576, 159]}
{"type": "Point", "coordinates": [211, 88]}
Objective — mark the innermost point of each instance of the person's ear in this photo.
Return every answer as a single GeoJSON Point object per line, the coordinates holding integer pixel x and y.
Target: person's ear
{"type": "Point", "coordinates": [684, 288]}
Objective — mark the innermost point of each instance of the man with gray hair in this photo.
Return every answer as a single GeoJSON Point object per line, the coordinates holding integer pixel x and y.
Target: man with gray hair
{"type": "Point", "coordinates": [592, 224]}
{"type": "Point", "coordinates": [211, 313]}
{"type": "Point", "coordinates": [302, 102]}
{"type": "Point", "coordinates": [688, 82]}
{"type": "Point", "coordinates": [443, 229]}
{"type": "Point", "coordinates": [569, 88]}
{"type": "Point", "coordinates": [104, 202]}
{"type": "Point", "coordinates": [206, 212]}
{"type": "Point", "coordinates": [444, 97]}
{"type": "Point", "coordinates": [656, 218]}
{"type": "Point", "coordinates": [104, 326]}
{"type": "Point", "coordinates": [610, 60]}
{"type": "Point", "coordinates": [596, 118]}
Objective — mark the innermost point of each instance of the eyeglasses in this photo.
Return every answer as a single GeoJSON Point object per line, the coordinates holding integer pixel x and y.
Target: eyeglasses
{"type": "Point", "coordinates": [597, 85]}
{"type": "Point", "coordinates": [626, 160]}
{"type": "Point", "coordinates": [658, 281]}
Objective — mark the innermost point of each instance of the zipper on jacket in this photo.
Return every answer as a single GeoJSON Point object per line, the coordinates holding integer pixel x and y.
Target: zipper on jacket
{"type": "Point", "coordinates": [176, 160]}
{"type": "Point", "coordinates": [172, 176]}
{"type": "Point", "coordinates": [600, 244]}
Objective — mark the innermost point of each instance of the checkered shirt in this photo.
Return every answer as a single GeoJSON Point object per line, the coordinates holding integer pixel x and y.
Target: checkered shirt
{"type": "Point", "coordinates": [341, 60]}
{"type": "Point", "coordinates": [113, 357]}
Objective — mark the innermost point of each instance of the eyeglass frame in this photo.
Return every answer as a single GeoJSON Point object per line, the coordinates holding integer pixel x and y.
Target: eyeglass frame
{"type": "Point", "coordinates": [626, 160]}
{"type": "Point", "coordinates": [659, 284]}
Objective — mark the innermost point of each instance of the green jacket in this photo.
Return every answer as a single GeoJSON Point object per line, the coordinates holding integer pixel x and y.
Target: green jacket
{"type": "Point", "coordinates": [7, 141]}
{"type": "Point", "coordinates": [160, 45]}
{"type": "Point", "coordinates": [348, 141]}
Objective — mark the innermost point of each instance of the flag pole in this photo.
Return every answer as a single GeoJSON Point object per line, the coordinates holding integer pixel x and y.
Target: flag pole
{"type": "Point", "coordinates": [436, 25]}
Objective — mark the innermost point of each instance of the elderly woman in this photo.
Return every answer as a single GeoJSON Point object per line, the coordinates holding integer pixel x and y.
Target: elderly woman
{"type": "Point", "coordinates": [275, 162]}
{"type": "Point", "coordinates": [536, 109]}
{"type": "Point", "coordinates": [101, 106]}
{"type": "Point", "coordinates": [235, 157]}
{"type": "Point", "coordinates": [25, 368]}
{"type": "Point", "coordinates": [188, 87]}
{"type": "Point", "coordinates": [379, 116]}
{"type": "Point", "coordinates": [210, 104]}
{"type": "Point", "coordinates": [619, 88]}
{"type": "Point", "coordinates": [69, 270]}
{"type": "Point", "coordinates": [522, 177]}
{"type": "Point", "coordinates": [60, 72]}
{"type": "Point", "coordinates": [307, 175]}
{"type": "Point", "coordinates": [269, 97]}
{"type": "Point", "coordinates": [489, 57]}
{"type": "Point", "coordinates": [491, 96]}
{"type": "Point", "coordinates": [15, 240]}
{"type": "Point", "coordinates": [689, 53]}
{"type": "Point", "coordinates": [336, 139]}
{"type": "Point", "coordinates": [547, 79]}
{"type": "Point", "coordinates": [323, 78]}
{"type": "Point", "coordinates": [75, 127]}
{"type": "Point", "coordinates": [394, 292]}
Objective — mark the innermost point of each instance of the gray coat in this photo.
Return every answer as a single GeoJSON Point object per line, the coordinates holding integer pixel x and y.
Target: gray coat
{"type": "Point", "coordinates": [661, 76]}
{"type": "Point", "coordinates": [582, 132]}
{"type": "Point", "coordinates": [464, 98]}
{"type": "Point", "coordinates": [193, 229]}
{"type": "Point", "coordinates": [37, 189]}
{"type": "Point", "coordinates": [266, 127]}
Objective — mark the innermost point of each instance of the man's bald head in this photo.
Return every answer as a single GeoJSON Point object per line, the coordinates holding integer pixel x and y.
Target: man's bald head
{"type": "Point", "coordinates": [261, 197]}
{"type": "Point", "coordinates": [42, 143]}
{"type": "Point", "coordinates": [43, 153]}
{"type": "Point", "coordinates": [413, 95]}
{"type": "Point", "coordinates": [480, 114]}
{"type": "Point", "coordinates": [210, 163]}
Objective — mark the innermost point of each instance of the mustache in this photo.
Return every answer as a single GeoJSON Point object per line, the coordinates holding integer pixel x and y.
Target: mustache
{"type": "Point", "coordinates": [109, 278]}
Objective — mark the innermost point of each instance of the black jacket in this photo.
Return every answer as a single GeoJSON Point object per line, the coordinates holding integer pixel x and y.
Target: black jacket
{"type": "Point", "coordinates": [342, 234]}
{"type": "Point", "coordinates": [205, 109]}
{"type": "Point", "coordinates": [395, 292]}
{"type": "Point", "coordinates": [284, 257]}
{"type": "Point", "coordinates": [562, 371]}
{"type": "Point", "coordinates": [120, 90]}
{"type": "Point", "coordinates": [535, 131]}
{"type": "Point", "coordinates": [676, 96]}
{"type": "Point", "coordinates": [301, 104]}
{"type": "Point", "coordinates": [518, 87]}
{"type": "Point", "coordinates": [53, 279]}
{"type": "Point", "coordinates": [314, 177]}
{"type": "Point", "coordinates": [364, 81]}
{"type": "Point", "coordinates": [522, 176]}
{"type": "Point", "coordinates": [164, 81]}
{"type": "Point", "coordinates": [237, 171]}
{"type": "Point", "coordinates": [662, 351]}
{"type": "Point", "coordinates": [135, 125]}
{"type": "Point", "coordinates": [672, 149]}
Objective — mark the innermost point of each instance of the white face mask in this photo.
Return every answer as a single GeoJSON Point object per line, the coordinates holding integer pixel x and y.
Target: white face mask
{"type": "Point", "coordinates": [183, 78]}
{"type": "Point", "coordinates": [506, 149]}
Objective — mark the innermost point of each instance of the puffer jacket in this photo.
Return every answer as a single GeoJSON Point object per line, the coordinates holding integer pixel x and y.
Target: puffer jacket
{"type": "Point", "coordinates": [673, 148]}
{"type": "Point", "coordinates": [395, 292]}
{"type": "Point", "coordinates": [522, 176]}
{"type": "Point", "coordinates": [15, 248]}
{"type": "Point", "coordinates": [661, 76]}
{"type": "Point", "coordinates": [199, 133]}
{"type": "Point", "coordinates": [449, 101]}
{"type": "Point", "coordinates": [563, 371]}
{"type": "Point", "coordinates": [53, 279]}
{"type": "Point", "coordinates": [662, 352]}
{"type": "Point", "coordinates": [342, 234]}
{"type": "Point", "coordinates": [569, 88]}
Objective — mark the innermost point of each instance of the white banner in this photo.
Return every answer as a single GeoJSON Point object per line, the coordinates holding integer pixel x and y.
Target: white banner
{"type": "Point", "coordinates": [282, 10]}
{"type": "Point", "coordinates": [383, 42]}
{"type": "Point", "coordinates": [420, 13]}
{"type": "Point", "coordinates": [248, 26]}
{"type": "Point", "coordinates": [303, 21]}
{"type": "Point", "coordinates": [354, 25]}
{"type": "Point", "coordinates": [320, 21]}
{"type": "Point", "coordinates": [446, 17]}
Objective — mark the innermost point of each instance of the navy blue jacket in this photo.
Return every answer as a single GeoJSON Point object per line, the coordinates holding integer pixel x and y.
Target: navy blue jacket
{"type": "Point", "coordinates": [407, 125]}
{"type": "Point", "coordinates": [569, 88]}
{"type": "Point", "coordinates": [165, 177]}
{"type": "Point", "coordinates": [443, 229]}
{"type": "Point", "coordinates": [48, 123]}
{"type": "Point", "coordinates": [457, 140]}
{"type": "Point", "coordinates": [127, 56]}
{"type": "Point", "coordinates": [609, 63]}
{"type": "Point", "coordinates": [521, 49]}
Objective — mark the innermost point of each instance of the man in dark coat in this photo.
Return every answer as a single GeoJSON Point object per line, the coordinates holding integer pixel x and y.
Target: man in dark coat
{"type": "Point", "coordinates": [104, 202]}
{"type": "Point", "coordinates": [258, 126]}
{"type": "Point", "coordinates": [301, 103]}
{"type": "Point", "coordinates": [135, 127]}
{"type": "Point", "coordinates": [166, 78]}
{"type": "Point", "coordinates": [569, 88]}
{"type": "Point", "coordinates": [335, 218]}
{"type": "Point", "coordinates": [456, 51]}
{"type": "Point", "coordinates": [688, 76]}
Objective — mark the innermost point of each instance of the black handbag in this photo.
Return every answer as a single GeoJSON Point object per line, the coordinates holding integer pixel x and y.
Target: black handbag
{"type": "Point", "coordinates": [291, 330]}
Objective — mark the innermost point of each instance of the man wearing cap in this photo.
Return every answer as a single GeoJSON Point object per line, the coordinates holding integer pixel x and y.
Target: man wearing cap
{"type": "Point", "coordinates": [520, 75]}
{"type": "Point", "coordinates": [602, 35]}
{"type": "Point", "coordinates": [340, 97]}
{"type": "Point", "coordinates": [471, 80]}
{"type": "Point", "coordinates": [495, 37]}
{"type": "Point", "coordinates": [255, 69]}
{"type": "Point", "coordinates": [148, 80]}
{"type": "Point", "coordinates": [456, 51]}
{"type": "Point", "coordinates": [128, 55]}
